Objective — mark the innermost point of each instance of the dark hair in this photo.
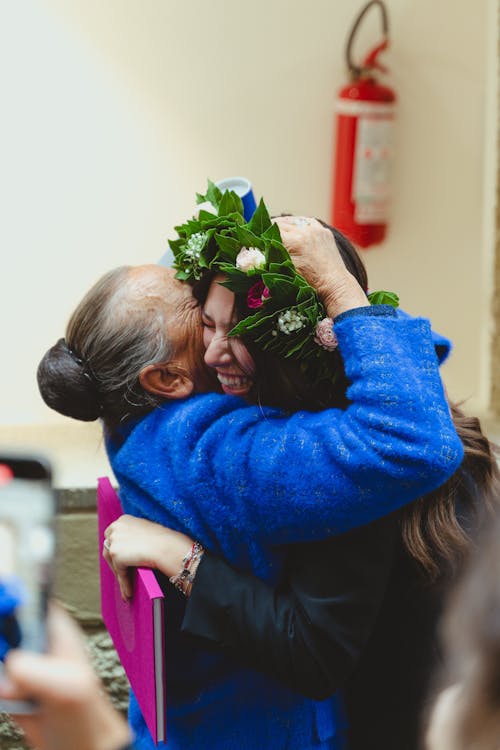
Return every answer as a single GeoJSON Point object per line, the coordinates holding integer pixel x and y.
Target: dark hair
{"type": "Point", "coordinates": [94, 371]}
{"type": "Point", "coordinates": [431, 531]}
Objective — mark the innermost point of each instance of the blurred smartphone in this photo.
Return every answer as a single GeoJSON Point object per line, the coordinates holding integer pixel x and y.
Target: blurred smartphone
{"type": "Point", "coordinates": [27, 547]}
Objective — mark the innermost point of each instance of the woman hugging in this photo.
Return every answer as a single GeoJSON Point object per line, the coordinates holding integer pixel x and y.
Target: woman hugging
{"type": "Point", "coordinates": [260, 405]}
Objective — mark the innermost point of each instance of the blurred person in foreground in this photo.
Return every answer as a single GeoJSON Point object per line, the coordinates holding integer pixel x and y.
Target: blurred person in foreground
{"type": "Point", "coordinates": [73, 710]}
{"type": "Point", "coordinates": [466, 714]}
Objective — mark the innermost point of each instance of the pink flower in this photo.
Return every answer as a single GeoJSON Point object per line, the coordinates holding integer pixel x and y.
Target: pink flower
{"type": "Point", "coordinates": [325, 335]}
{"type": "Point", "coordinates": [257, 294]}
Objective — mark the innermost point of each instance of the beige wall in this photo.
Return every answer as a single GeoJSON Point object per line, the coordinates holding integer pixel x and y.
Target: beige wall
{"type": "Point", "coordinates": [115, 112]}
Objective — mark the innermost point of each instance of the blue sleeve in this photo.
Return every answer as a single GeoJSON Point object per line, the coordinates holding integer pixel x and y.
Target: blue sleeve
{"type": "Point", "coordinates": [442, 345]}
{"type": "Point", "coordinates": [222, 468]}
{"type": "Point", "coordinates": [312, 475]}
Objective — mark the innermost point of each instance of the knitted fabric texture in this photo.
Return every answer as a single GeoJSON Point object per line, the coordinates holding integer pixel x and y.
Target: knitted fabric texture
{"type": "Point", "coordinates": [243, 479]}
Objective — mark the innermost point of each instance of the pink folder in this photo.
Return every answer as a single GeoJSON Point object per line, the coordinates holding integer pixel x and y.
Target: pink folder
{"type": "Point", "coordinates": [136, 627]}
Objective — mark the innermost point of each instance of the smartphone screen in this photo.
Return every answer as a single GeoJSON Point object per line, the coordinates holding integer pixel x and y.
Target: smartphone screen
{"type": "Point", "coordinates": [26, 554]}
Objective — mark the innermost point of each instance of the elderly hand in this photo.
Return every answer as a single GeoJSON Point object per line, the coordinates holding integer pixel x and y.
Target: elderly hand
{"type": "Point", "coordinates": [74, 712]}
{"type": "Point", "coordinates": [134, 542]}
{"type": "Point", "coordinates": [317, 257]}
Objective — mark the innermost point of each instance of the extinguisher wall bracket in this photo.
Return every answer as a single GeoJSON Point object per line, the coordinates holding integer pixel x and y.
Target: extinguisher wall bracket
{"type": "Point", "coordinates": [370, 61]}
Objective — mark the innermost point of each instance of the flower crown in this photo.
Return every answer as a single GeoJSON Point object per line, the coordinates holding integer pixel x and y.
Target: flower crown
{"type": "Point", "coordinates": [286, 316]}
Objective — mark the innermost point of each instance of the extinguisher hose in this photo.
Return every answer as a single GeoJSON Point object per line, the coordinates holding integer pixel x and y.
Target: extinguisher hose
{"type": "Point", "coordinates": [370, 60]}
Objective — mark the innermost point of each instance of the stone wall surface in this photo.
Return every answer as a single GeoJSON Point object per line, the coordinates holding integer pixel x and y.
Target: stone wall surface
{"type": "Point", "coordinates": [77, 587]}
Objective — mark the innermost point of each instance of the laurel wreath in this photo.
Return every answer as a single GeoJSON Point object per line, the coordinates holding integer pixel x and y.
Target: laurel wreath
{"type": "Point", "coordinates": [285, 319]}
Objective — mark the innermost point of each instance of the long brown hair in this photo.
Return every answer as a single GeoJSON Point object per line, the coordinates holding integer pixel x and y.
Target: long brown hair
{"type": "Point", "coordinates": [432, 531]}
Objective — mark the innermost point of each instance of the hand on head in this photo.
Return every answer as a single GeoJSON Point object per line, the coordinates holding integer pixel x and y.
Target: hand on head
{"type": "Point", "coordinates": [74, 711]}
{"type": "Point", "coordinates": [317, 258]}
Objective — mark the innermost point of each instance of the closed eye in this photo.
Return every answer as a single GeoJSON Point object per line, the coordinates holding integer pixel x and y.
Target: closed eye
{"type": "Point", "coordinates": [206, 321]}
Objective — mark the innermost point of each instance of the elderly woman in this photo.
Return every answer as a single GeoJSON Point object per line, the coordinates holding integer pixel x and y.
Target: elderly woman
{"type": "Point", "coordinates": [243, 480]}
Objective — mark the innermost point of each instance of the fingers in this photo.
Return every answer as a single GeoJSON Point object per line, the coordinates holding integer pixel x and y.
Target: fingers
{"type": "Point", "coordinates": [48, 678]}
{"type": "Point", "coordinates": [296, 226]}
{"type": "Point", "coordinates": [302, 235]}
{"type": "Point", "coordinates": [63, 675]}
{"type": "Point", "coordinates": [29, 675]}
{"type": "Point", "coordinates": [296, 221]}
{"type": "Point", "coordinates": [65, 638]}
{"type": "Point", "coordinates": [122, 572]}
{"type": "Point", "coordinates": [123, 577]}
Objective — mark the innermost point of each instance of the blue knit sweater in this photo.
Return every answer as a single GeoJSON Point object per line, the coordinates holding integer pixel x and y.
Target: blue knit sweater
{"type": "Point", "coordinates": [244, 479]}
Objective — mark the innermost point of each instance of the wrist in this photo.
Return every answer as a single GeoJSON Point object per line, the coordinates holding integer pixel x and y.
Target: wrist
{"type": "Point", "coordinates": [171, 553]}
{"type": "Point", "coordinates": [193, 571]}
{"type": "Point", "coordinates": [185, 574]}
{"type": "Point", "coordinates": [342, 294]}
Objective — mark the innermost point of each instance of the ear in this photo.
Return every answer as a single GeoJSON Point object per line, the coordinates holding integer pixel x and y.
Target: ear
{"type": "Point", "coordinates": [166, 379]}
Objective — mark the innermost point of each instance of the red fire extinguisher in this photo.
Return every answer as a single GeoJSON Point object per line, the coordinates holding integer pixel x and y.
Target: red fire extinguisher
{"type": "Point", "coordinates": [364, 148]}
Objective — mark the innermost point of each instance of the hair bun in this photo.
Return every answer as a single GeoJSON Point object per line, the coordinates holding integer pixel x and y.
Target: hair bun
{"type": "Point", "coordinates": [66, 386]}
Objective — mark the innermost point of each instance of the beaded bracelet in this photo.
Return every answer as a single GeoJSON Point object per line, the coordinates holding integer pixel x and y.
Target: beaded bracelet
{"type": "Point", "coordinates": [185, 577]}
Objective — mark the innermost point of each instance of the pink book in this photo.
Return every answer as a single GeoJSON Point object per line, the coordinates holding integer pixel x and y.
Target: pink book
{"type": "Point", "coordinates": [136, 627]}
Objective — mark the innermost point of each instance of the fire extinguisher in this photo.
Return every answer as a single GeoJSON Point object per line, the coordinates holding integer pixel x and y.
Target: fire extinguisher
{"type": "Point", "coordinates": [364, 149]}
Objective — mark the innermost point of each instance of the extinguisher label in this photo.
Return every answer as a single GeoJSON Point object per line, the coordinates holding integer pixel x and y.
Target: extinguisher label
{"type": "Point", "coordinates": [373, 154]}
{"type": "Point", "coordinates": [357, 108]}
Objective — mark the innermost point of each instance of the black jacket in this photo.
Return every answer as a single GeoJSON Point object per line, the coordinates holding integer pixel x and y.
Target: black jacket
{"type": "Point", "coordinates": [351, 612]}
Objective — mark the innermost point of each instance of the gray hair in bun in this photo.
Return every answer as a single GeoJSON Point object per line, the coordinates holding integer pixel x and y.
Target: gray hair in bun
{"type": "Point", "coordinates": [94, 371]}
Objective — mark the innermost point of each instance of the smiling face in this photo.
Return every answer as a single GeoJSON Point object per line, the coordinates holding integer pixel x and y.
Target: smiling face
{"type": "Point", "coordinates": [227, 355]}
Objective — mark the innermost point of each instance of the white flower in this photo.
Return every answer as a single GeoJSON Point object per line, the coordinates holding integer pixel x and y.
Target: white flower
{"type": "Point", "coordinates": [290, 321]}
{"type": "Point", "coordinates": [195, 245]}
{"type": "Point", "coordinates": [250, 258]}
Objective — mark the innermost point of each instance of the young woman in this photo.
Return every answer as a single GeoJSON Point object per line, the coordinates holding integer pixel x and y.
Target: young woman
{"type": "Point", "coordinates": [358, 611]}
{"type": "Point", "coordinates": [244, 480]}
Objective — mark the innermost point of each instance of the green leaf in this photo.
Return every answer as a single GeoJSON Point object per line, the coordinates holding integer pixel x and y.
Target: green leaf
{"type": "Point", "coordinates": [213, 195]}
{"type": "Point", "coordinates": [206, 217]}
{"type": "Point", "coordinates": [276, 252]}
{"type": "Point", "coordinates": [251, 322]}
{"type": "Point", "coordinates": [249, 239]}
{"type": "Point", "coordinates": [237, 282]}
{"type": "Point", "coordinates": [286, 268]}
{"type": "Point", "coordinates": [281, 288]}
{"type": "Point", "coordinates": [383, 298]}
{"type": "Point", "coordinates": [303, 336]}
{"type": "Point", "coordinates": [230, 203]}
{"type": "Point", "coordinates": [260, 221]}
{"type": "Point", "coordinates": [229, 245]}
{"type": "Point", "coordinates": [176, 245]}
{"type": "Point", "coordinates": [273, 233]}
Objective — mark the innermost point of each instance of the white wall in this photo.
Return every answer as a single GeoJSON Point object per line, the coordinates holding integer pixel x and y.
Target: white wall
{"type": "Point", "coordinates": [114, 112]}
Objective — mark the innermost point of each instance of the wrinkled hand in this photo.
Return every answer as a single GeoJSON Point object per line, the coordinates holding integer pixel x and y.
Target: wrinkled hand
{"type": "Point", "coordinates": [135, 542]}
{"type": "Point", "coordinates": [317, 258]}
{"type": "Point", "coordinates": [74, 711]}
